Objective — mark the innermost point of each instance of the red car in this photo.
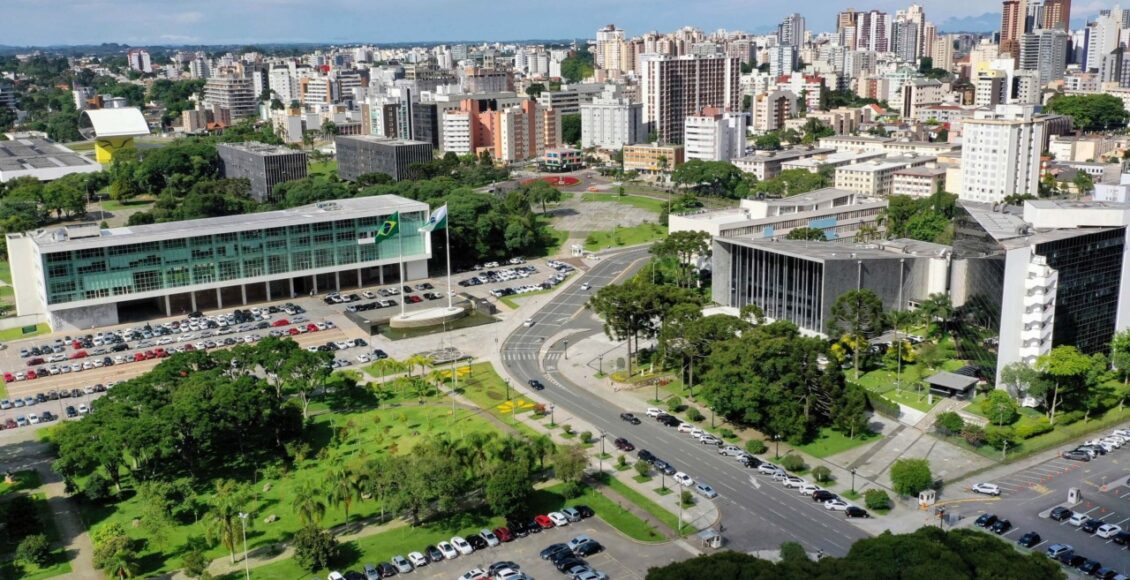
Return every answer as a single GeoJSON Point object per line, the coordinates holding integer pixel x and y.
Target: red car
{"type": "Point", "coordinates": [79, 354]}
{"type": "Point", "coordinates": [188, 347]}
{"type": "Point", "coordinates": [503, 534]}
{"type": "Point", "coordinates": [543, 521]}
{"type": "Point", "coordinates": [138, 357]}
{"type": "Point", "coordinates": [293, 331]}
{"type": "Point", "coordinates": [414, 299]}
{"type": "Point", "coordinates": [34, 361]}
{"type": "Point", "coordinates": [161, 353]}
{"type": "Point", "coordinates": [76, 344]}
{"type": "Point", "coordinates": [280, 322]}
{"type": "Point", "coordinates": [312, 327]}
{"type": "Point", "coordinates": [9, 377]}
{"type": "Point", "coordinates": [623, 444]}
{"type": "Point", "coordinates": [10, 424]}
{"type": "Point", "coordinates": [31, 374]}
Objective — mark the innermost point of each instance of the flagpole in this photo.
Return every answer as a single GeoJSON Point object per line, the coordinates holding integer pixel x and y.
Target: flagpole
{"type": "Point", "coordinates": [400, 261]}
{"type": "Point", "coordinates": [447, 247]}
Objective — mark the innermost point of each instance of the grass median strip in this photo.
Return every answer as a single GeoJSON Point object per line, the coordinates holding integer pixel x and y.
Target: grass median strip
{"type": "Point", "coordinates": [657, 511]}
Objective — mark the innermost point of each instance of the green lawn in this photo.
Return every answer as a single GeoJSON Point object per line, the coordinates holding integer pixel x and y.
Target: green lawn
{"type": "Point", "coordinates": [631, 236]}
{"type": "Point", "coordinates": [830, 442]}
{"type": "Point", "coordinates": [24, 480]}
{"type": "Point", "coordinates": [390, 430]}
{"type": "Point", "coordinates": [884, 382]}
{"type": "Point", "coordinates": [558, 239]}
{"type": "Point", "coordinates": [328, 167]}
{"type": "Point", "coordinates": [649, 203]}
{"type": "Point", "coordinates": [5, 271]}
{"type": "Point", "coordinates": [17, 332]}
{"type": "Point", "coordinates": [1060, 435]}
{"type": "Point", "coordinates": [512, 301]}
{"type": "Point", "coordinates": [487, 390]}
{"type": "Point", "coordinates": [9, 567]}
{"type": "Point", "coordinates": [138, 203]}
{"type": "Point", "coordinates": [647, 504]}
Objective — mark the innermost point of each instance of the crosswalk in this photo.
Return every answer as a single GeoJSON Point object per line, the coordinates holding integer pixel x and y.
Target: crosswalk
{"type": "Point", "coordinates": [528, 355]}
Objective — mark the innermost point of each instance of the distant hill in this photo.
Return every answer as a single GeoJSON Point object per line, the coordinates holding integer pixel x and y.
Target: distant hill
{"type": "Point", "coordinates": [987, 22]}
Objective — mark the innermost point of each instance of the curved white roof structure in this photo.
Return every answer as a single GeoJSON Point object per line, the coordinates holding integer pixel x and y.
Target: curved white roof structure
{"type": "Point", "coordinates": [127, 122]}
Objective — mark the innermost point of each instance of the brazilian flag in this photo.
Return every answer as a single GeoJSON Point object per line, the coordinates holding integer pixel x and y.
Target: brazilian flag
{"type": "Point", "coordinates": [390, 228]}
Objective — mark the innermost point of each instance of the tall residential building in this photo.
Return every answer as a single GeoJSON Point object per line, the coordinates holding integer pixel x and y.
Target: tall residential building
{"type": "Point", "coordinates": [1013, 16]}
{"type": "Point", "coordinates": [1102, 38]}
{"type": "Point", "coordinates": [1000, 153]}
{"type": "Point", "coordinates": [873, 31]}
{"type": "Point", "coordinates": [845, 19]}
{"type": "Point", "coordinates": [235, 95]}
{"type": "Point", "coordinates": [674, 87]}
{"type": "Point", "coordinates": [715, 135]}
{"type": "Point", "coordinates": [483, 80]}
{"type": "Point", "coordinates": [283, 85]}
{"type": "Point", "coordinates": [613, 52]}
{"type": "Point", "coordinates": [1044, 51]}
{"type": "Point", "coordinates": [138, 59]}
{"type": "Point", "coordinates": [791, 31]}
{"type": "Point", "coordinates": [906, 35]}
{"type": "Point", "coordinates": [772, 109]}
{"type": "Point", "coordinates": [782, 60]}
{"type": "Point", "coordinates": [612, 121]}
{"type": "Point", "coordinates": [1057, 14]}
{"type": "Point", "coordinates": [514, 132]}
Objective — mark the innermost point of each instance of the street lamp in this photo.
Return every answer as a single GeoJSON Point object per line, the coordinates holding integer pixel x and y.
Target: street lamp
{"type": "Point", "coordinates": [552, 422]}
{"type": "Point", "coordinates": [507, 381]}
{"type": "Point", "coordinates": [777, 441]}
{"type": "Point", "coordinates": [853, 481]}
{"type": "Point", "coordinates": [243, 523]}
{"type": "Point", "coordinates": [566, 349]}
{"type": "Point", "coordinates": [600, 361]}
{"type": "Point", "coordinates": [602, 436]}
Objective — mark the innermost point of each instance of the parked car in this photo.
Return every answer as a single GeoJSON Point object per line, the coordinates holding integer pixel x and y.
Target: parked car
{"type": "Point", "coordinates": [491, 539]}
{"type": "Point", "coordinates": [571, 514]}
{"type": "Point", "coordinates": [417, 559]}
{"type": "Point", "coordinates": [588, 548]}
{"type": "Point", "coordinates": [401, 564]}
{"type": "Point", "coordinates": [447, 550]}
{"type": "Point", "coordinates": [552, 549]}
{"type": "Point", "coordinates": [461, 545]}
{"type": "Point", "coordinates": [1091, 526]}
{"type": "Point", "coordinates": [1077, 519]}
{"type": "Point", "coordinates": [1107, 531]}
{"type": "Point", "coordinates": [987, 489]}
{"type": "Point", "coordinates": [985, 520]}
{"type": "Point", "coordinates": [1060, 513]}
{"type": "Point", "coordinates": [543, 522]}
{"type": "Point", "coordinates": [1029, 539]}
{"type": "Point", "coordinates": [630, 418]}
{"type": "Point", "coordinates": [683, 479]}
{"type": "Point", "coordinates": [1001, 526]}
{"type": "Point", "coordinates": [558, 519]}
{"type": "Point", "coordinates": [856, 512]}
{"type": "Point", "coordinates": [838, 505]}
{"type": "Point", "coordinates": [705, 490]}
{"type": "Point", "coordinates": [623, 444]}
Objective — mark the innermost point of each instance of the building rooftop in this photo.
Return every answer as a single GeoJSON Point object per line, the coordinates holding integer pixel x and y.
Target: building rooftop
{"type": "Point", "coordinates": [816, 161]}
{"type": "Point", "coordinates": [377, 139]}
{"type": "Point", "coordinates": [884, 164]}
{"type": "Point", "coordinates": [824, 251]}
{"type": "Point", "coordinates": [811, 197]}
{"type": "Point", "coordinates": [1000, 222]}
{"type": "Point", "coordinates": [90, 236]}
{"type": "Point", "coordinates": [783, 155]}
{"type": "Point", "coordinates": [263, 149]}
{"type": "Point", "coordinates": [126, 122]}
{"type": "Point", "coordinates": [40, 158]}
{"type": "Point", "coordinates": [922, 171]}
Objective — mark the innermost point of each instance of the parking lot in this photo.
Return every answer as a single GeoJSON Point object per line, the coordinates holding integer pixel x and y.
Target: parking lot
{"type": "Point", "coordinates": [1029, 496]}
{"type": "Point", "coordinates": [621, 558]}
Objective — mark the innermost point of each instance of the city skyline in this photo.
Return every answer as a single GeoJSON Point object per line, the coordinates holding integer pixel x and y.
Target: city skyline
{"type": "Point", "coordinates": [172, 22]}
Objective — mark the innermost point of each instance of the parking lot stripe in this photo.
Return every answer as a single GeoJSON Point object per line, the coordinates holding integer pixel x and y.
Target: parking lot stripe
{"type": "Point", "coordinates": [1042, 542]}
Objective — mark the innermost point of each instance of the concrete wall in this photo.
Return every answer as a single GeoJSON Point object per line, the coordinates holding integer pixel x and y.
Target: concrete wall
{"type": "Point", "coordinates": [84, 318]}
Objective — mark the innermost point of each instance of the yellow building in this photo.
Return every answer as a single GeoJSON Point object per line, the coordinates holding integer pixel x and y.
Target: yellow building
{"type": "Point", "coordinates": [112, 130]}
{"type": "Point", "coordinates": [646, 158]}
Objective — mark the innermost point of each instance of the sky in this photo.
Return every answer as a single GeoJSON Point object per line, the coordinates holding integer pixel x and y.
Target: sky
{"type": "Point", "coordinates": [151, 22]}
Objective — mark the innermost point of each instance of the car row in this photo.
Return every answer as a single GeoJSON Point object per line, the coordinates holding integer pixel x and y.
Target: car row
{"type": "Point", "coordinates": [53, 395]}
{"type": "Point", "coordinates": [568, 558]}
{"type": "Point", "coordinates": [1099, 446]}
{"type": "Point", "coordinates": [1087, 524]}
{"type": "Point", "coordinates": [499, 276]}
{"type": "Point", "coordinates": [1066, 555]}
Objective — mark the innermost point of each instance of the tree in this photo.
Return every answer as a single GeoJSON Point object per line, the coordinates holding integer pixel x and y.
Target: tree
{"type": "Point", "coordinates": [535, 90]}
{"type": "Point", "coordinates": [314, 548]}
{"type": "Point", "coordinates": [999, 408]}
{"type": "Point", "coordinates": [937, 312]}
{"type": "Point", "coordinates": [222, 521]}
{"type": "Point", "coordinates": [344, 487]}
{"type": "Point", "coordinates": [306, 373]}
{"type": "Point", "coordinates": [577, 66]}
{"type": "Point", "coordinates": [34, 549]}
{"type": "Point", "coordinates": [643, 468]}
{"type": "Point", "coordinates": [857, 314]}
{"type": "Point", "coordinates": [768, 142]}
{"type": "Point", "coordinates": [307, 501]}
{"type": "Point", "coordinates": [509, 489]}
{"type": "Point", "coordinates": [1097, 112]}
{"type": "Point", "coordinates": [570, 462]}
{"type": "Point", "coordinates": [195, 563]}
{"type": "Point", "coordinates": [1120, 359]}
{"type": "Point", "coordinates": [329, 128]}
{"type": "Point", "coordinates": [685, 247]}
{"type": "Point", "coordinates": [1066, 367]}
{"type": "Point", "coordinates": [1019, 378]}
{"type": "Point", "coordinates": [807, 233]}
{"type": "Point", "coordinates": [876, 499]}
{"type": "Point", "coordinates": [1084, 184]}
{"type": "Point", "coordinates": [114, 551]}
{"type": "Point", "coordinates": [571, 129]}
{"type": "Point", "coordinates": [910, 476]}
{"type": "Point", "coordinates": [850, 415]}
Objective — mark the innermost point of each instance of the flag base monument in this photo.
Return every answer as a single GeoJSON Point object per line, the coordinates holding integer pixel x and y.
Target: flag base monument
{"type": "Point", "coordinates": [427, 317]}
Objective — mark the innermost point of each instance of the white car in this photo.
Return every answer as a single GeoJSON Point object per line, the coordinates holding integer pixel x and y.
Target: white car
{"type": "Point", "coordinates": [986, 488]}
{"type": "Point", "coordinates": [808, 489]}
{"type": "Point", "coordinates": [653, 412]}
{"type": "Point", "coordinates": [528, 323]}
{"type": "Point", "coordinates": [335, 575]}
{"type": "Point", "coordinates": [1077, 519]}
{"type": "Point", "coordinates": [418, 560]}
{"type": "Point", "coordinates": [1107, 530]}
{"type": "Point", "coordinates": [837, 505]}
{"type": "Point", "coordinates": [368, 295]}
{"type": "Point", "coordinates": [683, 479]}
{"type": "Point", "coordinates": [697, 433]}
{"type": "Point", "coordinates": [793, 482]}
{"type": "Point", "coordinates": [768, 468]}
{"type": "Point", "coordinates": [83, 409]}
{"type": "Point", "coordinates": [448, 550]}
{"type": "Point", "coordinates": [363, 358]}
{"type": "Point", "coordinates": [462, 545]}
{"type": "Point", "coordinates": [33, 418]}
{"type": "Point", "coordinates": [558, 519]}
{"type": "Point", "coordinates": [474, 574]}
{"type": "Point", "coordinates": [585, 286]}
{"type": "Point", "coordinates": [685, 427]}
{"type": "Point", "coordinates": [491, 539]}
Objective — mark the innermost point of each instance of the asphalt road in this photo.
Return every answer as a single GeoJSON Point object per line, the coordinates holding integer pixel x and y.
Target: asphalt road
{"type": "Point", "coordinates": [757, 513]}
{"type": "Point", "coordinates": [1027, 497]}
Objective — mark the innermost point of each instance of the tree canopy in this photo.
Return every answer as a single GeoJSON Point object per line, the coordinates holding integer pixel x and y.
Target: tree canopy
{"type": "Point", "coordinates": [1097, 112]}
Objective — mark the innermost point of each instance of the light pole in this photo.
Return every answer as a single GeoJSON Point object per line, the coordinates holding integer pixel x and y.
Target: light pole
{"type": "Point", "coordinates": [600, 361]}
{"type": "Point", "coordinates": [777, 442]}
{"type": "Point", "coordinates": [507, 381]}
{"type": "Point", "coordinates": [566, 349]}
{"type": "Point", "coordinates": [552, 422]}
{"type": "Point", "coordinates": [853, 481]}
{"type": "Point", "coordinates": [243, 523]}
{"type": "Point", "coordinates": [602, 435]}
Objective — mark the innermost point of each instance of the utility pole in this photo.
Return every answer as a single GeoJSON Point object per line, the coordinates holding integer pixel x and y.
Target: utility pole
{"type": "Point", "coordinates": [853, 481]}
{"type": "Point", "coordinates": [243, 523]}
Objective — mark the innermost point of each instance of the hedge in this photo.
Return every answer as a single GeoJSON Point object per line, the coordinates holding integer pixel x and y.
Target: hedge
{"type": "Point", "coordinates": [883, 405]}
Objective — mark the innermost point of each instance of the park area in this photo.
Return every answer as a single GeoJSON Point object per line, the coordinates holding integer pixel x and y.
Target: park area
{"type": "Point", "coordinates": [29, 530]}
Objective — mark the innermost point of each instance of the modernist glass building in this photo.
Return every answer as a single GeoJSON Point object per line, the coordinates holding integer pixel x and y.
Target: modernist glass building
{"type": "Point", "coordinates": [83, 276]}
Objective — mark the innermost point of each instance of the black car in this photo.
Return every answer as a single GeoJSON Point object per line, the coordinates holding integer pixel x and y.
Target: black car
{"type": "Point", "coordinates": [1121, 538]}
{"type": "Point", "coordinates": [518, 528]}
{"type": "Point", "coordinates": [533, 527]}
{"type": "Point", "coordinates": [71, 412]}
{"type": "Point", "coordinates": [386, 570]}
{"type": "Point", "coordinates": [1076, 456]}
{"type": "Point", "coordinates": [585, 511]}
{"type": "Point", "coordinates": [536, 385]}
{"type": "Point", "coordinates": [379, 354]}
{"type": "Point", "coordinates": [645, 455]}
{"type": "Point", "coordinates": [1001, 526]}
{"type": "Point", "coordinates": [354, 575]}
{"type": "Point", "coordinates": [823, 495]}
{"type": "Point", "coordinates": [623, 444]}
{"type": "Point", "coordinates": [670, 421]}
{"type": "Point", "coordinates": [477, 542]}
{"type": "Point", "coordinates": [1104, 574]}
{"type": "Point", "coordinates": [1030, 539]}
{"type": "Point", "coordinates": [588, 548]}
{"type": "Point", "coordinates": [1060, 513]}
{"type": "Point", "coordinates": [1089, 566]}
{"type": "Point", "coordinates": [986, 520]}
{"type": "Point", "coordinates": [750, 461]}
{"type": "Point", "coordinates": [407, 289]}
{"type": "Point", "coordinates": [630, 418]}
{"type": "Point", "coordinates": [856, 512]}
{"type": "Point", "coordinates": [552, 549]}
{"type": "Point", "coordinates": [1072, 559]}
{"type": "Point", "coordinates": [664, 467]}
{"type": "Point", "coordinates": [433, 554]}
{"type": "Point", "coordinates": [1091, 525]}
{"type": "Point", "coordinates": [567, 562]}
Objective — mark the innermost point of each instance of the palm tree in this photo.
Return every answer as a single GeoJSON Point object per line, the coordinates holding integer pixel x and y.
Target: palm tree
{"type": "Point", "coordinates": [417, 360]}
{"type": "Point", "coordinates": [122, 565]}
{"type": "Point", "coordinates": [543, 446]}
{"type": "Point", "coordinates": [306, 501]}
{"type": "Point", "coordinates": [344, 487]}
{"type": "Point", "coordinates": [937, 311]}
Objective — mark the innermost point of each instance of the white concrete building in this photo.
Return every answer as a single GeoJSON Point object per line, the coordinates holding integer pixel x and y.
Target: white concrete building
{"type": "Point", "coordinates": [1000, 154]}
{"type": "Point", "coordinates": [875, 178]}
{"type": "Point", "coordinates": [612, 121]}
{"type": "Point", "coordinates": [715, 135]}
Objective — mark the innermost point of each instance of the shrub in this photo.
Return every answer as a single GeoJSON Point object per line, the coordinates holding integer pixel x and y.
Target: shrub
{"type": "Point", "coordinates": [1029, 427]}
{"type": "Point", "coordinates": [999, 407]}
{"type": "Point", "coordinates": [314, 547]}
{"type": "Point", "coordinates": [97, 488]}
{"type": "Point", "coordinates": [694, 415]}
{"type": "Point", "coordinates": [674, 404]}
{"type": "Point", "coordinates": [686, 498]}
{"type": "Point", "coordinates": [195, 563]}
{"type": "Point", "coordinates": [572, 489]}
{"type": "Point", "coordinates": [973, 435]}
{"type": "Point", "coordinates": [949, 423]}
{"type": "Point", "coordinates": [756, 446]}
{"type": "Point", "coordinates": [821, 473]}
{"type": "Point", "coordinates": [910, 476]}
{"type": "Point", "coordinates": [34, 549]}
{"type": "Point", "coordinates": [793, 462]}
{"type": "Point", "coordinates": [727, 434]}
{"type": "Point", "coordinates": [876, 499]}
{"type": "Point", "coordinates": [883, 405]}
{"type": "Point", "coordinates": [586, 437]}
{"type": "Point", "coordinates": [1069, 417]}
{"type": "Point", "coordinates": [999, 437]}
{"type": "Point", "coordinates": [567, 428]}
{"type": "Point", "coordinates": [643, 468]}
{"type": "Point", "coordinates": [621, 462]}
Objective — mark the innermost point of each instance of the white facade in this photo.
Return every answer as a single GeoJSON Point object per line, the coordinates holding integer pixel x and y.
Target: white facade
{"type": "Point", "coordinates": [283, 85]}
{"type": "Point", "coordinates": [1000, 154]}
{"type": "Point", "coordinates": [782, 60]}
{"type": "Point", "coordinates": [456, 132]}
{"type": "Point", "coordinates": [612, 121]}
{"type": "Point", "coordinates": [715, 137]}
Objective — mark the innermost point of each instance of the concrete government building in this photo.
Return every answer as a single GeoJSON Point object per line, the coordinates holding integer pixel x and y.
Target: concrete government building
{"type": "Point", "coordinates": [83, 276]}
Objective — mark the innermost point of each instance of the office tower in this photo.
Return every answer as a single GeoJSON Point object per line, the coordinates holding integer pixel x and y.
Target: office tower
{"type": "Point", "coordinates": [791, 31]}
{"type": "Point", "coordinates": [782, 60]}
{"type": "Point", "coordinates": [612, 121]}
{"type": "Point", "coordinates": [233, 94]}
{"type": "Point", "coordinates": [361, 154]}
{"type": "Point", "coordinates": [265, 166]}
{"type": "Point", "coordinates": [673, 87]}
{"type": "Point", "coordinates": [1044, 51]}
{"type": "Point", "coordinates": [1000, 153]}
{"type": "Point", "coordinates": [873, 31]}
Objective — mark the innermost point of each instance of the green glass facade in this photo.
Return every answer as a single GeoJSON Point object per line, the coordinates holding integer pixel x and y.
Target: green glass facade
{"type": "Point", "coordinates": [128, 269]}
